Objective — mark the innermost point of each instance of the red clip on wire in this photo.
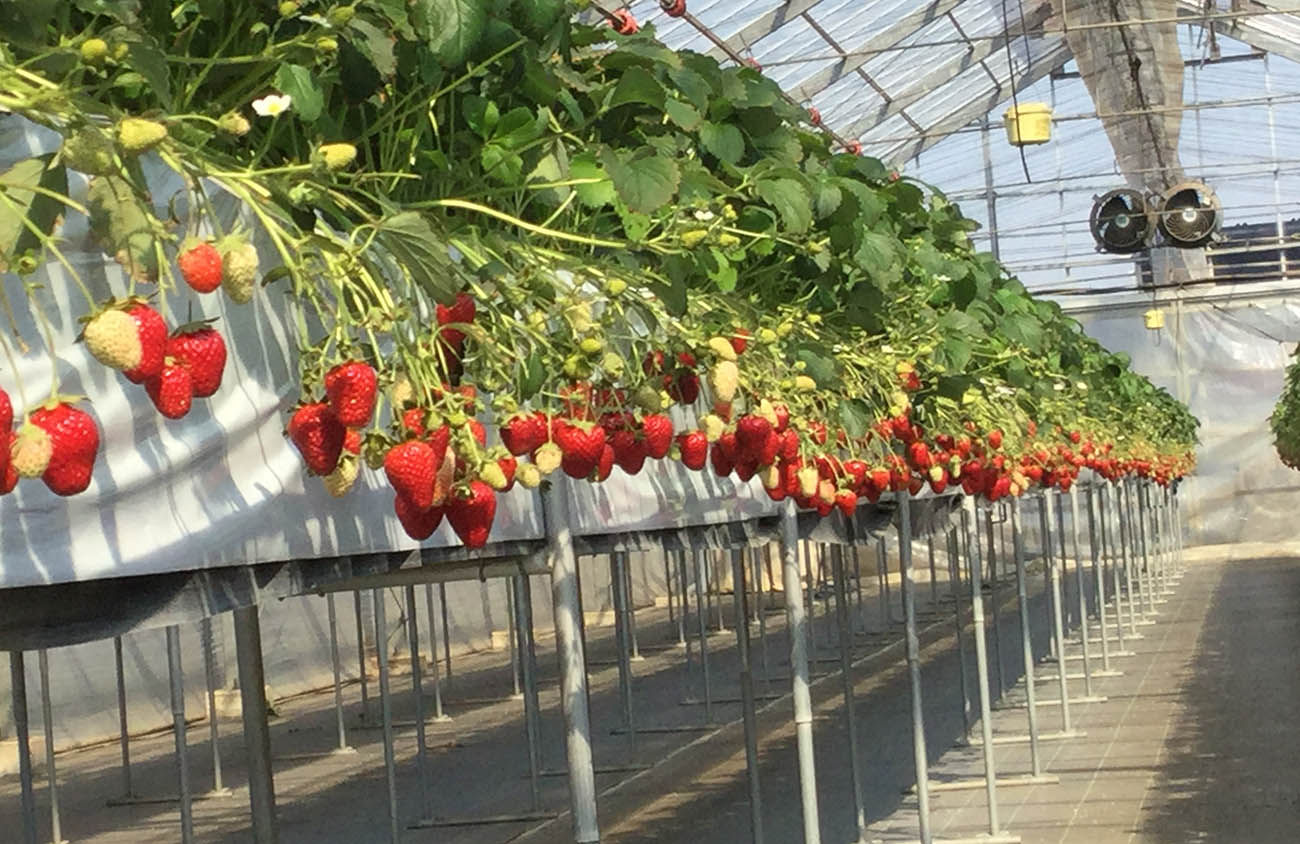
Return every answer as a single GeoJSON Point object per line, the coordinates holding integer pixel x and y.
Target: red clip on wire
{"type": "Point", "coordinates": [624, 23]}
{"type": "Point", "coordinates": [814, 116]}
{"type": "Point", "coordinates": [853, 148]}
{"type": "Point", "coordinates": [673, 8]}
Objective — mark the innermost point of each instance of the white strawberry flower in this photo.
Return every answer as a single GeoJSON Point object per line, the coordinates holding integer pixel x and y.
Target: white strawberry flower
{"type": "Point", "coordinates": [272, 105]}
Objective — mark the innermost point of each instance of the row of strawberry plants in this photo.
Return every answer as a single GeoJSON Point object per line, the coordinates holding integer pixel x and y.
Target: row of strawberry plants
{"type": "Point", "coordinates": [610, 251]}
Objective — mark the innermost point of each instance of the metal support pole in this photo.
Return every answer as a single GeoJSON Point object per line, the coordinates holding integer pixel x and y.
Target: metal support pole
{"type": "Point", "coordinates": [257, 734]}
{"type": "Point", "coordinates": [1124, 530]}
{"type": "Point", "coordinates": [797, 624]}
{"type": "Point", "coordinates": [446, 627]}
{"type": "Point", "coordinates": [1099, 582]}
{"type": "Point", "coordinates": [981, 661]}
{"type": "Point", "coordinates": [747, 695]}
{"type": "Point", "coordinates": [340, 727]}
{"type": "Point", "coordinates": [617, 562]}
{"type": "Point", "coordinates": [701, 607]}
{"type": "Point", "coordinates": [997, 616]}
{"type": "Point", "coordinates": [417, 690]}
{"type": "Point", "coordinates": [1054, 567]}
{"type": "Point", "coordinates": [1112, 542]}
{"type": "Point", "coordinates": [934, 582]}
{"type": "Point", "coordinates": [629, 606]}
{"type": "Point", "coordinates": [47, 724]}
{"type": "Point", "coordinates": [528, 659]}
{"type": "Point", "coordinates": [124, 737]}
{"type": "Point", "coordinates": [760, 614]}
{"type": "Point", "coordinates": [178, 727]}
{"type": "Point", "coordinates": [713, 581]}
{"type": "Point", "coordinates": [208, 645]}
{"type": "Point", "coordinates": [668, 587]}
{"type": "Point", "coordinates": [18, 685]}
{"type": "Point", "coordinates": [919, 755]}
{"type": "Point", "coordinates": [683, 597]}
{"type": "Point", "coordinates": [954, 588]}
{"type": "Point", "coordinates": [1045, 539]}
{"type": "Point", "coordinates": [438, 714]}
{"type": "Point", "coordinates": [573, 677]}
{"type": "Point", "coordinates": [516, 691]}
{"type": "Point", "coordinates": [1022, 595]}
{"type": "Point", "coordinates": [846, 677]}
{"type": "Point", "coordinates": [1083, 600]}
{"type": "Point", "coordinates": [386, 711]}
{"type": "Point", "coordinates": [361, 656]}
{"type": "Point", "coordinates": [1148, 580]}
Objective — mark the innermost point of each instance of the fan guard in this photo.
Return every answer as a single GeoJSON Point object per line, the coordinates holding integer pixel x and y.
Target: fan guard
{"type": "Point", "coordinates": [1190, 214]}
{"type": "Point", "coordinates": [1121, 221]}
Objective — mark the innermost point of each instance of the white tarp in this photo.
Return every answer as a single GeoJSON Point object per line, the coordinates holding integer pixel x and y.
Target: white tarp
{"type": "Point", "coordinates": [1224, 355]}
{"type": "Point", "coordinates": [223, 486]}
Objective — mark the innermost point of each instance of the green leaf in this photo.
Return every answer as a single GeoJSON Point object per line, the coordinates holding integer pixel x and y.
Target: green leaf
{"type": "Point", "coordinates": [645, 183]}
{"type": "Point", "coordinates": [855, 417]}
{"type": "Point", "coordinates": [518, 127]}
{"type": "Point", "coordinates": [298, 82]}
{"type": "Point", "coordinates": [877, 252]}
{"type": "Point", "coordinates": [828, 199]}
{"type": "Point", "coordinates": [376, 45]}
{"type": "Point", "coordinates": [960, 323]}
{"type": "Point", "coordinates": [693, 86]}
{"type": "Point", "coordinates": [721, 271]}
{"type": "Point", "coordinates": [723, 141]}
{"type": "Point", "coordinates": [672, 294]}
{"type": "Point", "coordinates": [501, 165]}
{"type": "Point", "coordinates": [790, 199]}
{"type": "Point", "coordinates": [482, 115]}
{"type": "Point", "coordinates": [38, 209]}
{"type": "Point", "coordinates": [682, 114]}
{"type": "Point", "coordinates": [637, 85]}
{"type": "Point", "coordinates": [536, 17]}
{"type": "Point", "coordinates": [122, 226]}
{"type": "Point", "coordinates": [1025, 330]}
{"type": "Point", "coordinates": [452, 28]}
{"type": "Point", "coordinates": [595, 194]}
{"type": "Point", "coordinates": [412, 243]}
{"type": "Point", "coordinates": [956, 353]}
{"type": "Point", "coordinates": [532, 377]}
{"type": "Point", "coordinates": [148, 61]}
{"type": "Point", "coordinates": [819, 364]}
{"type": "Point", "coordinates": [870, 203]}
{"type": "Point", "coordinates": [635, 226]}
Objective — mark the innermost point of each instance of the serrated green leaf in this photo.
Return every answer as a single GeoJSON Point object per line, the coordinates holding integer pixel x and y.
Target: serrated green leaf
{"type": "Point", "coordinates": [683, 114]}
{"type": "Point", "coordinates": [645, 183]}
{"type": "Point", "coordinates": [721, 271]}
{"type": "Point", "coordinates": [452, 28]}
{"type": "Point", "coordinates": [532, 376]}
{"type": "Point", "coordinates": [723, 141]}
{"type": "Point", "coordinates": [375, 44]}
{"type": "Point", "coordinates": [414, 245]}
{"type": "Point", "coordinates": [301, 86]}
{"type": "Point", "coordinates": [827, 200]}
{"type": "Point", "coordinates": [637, 85]}
{"type": "Point", "coordinates": [17, 205]}
{"type": "Point", "coordinates": [593, 194]}
{"type": "Point", "coordinates": [855, 417]}
{"type": "Point", "coordinates": [818, 364]}
{"type": "Point", "coordinates": [790, 199]}
{"type": "Point", "coordinates": [501, 165]}
{"type": "Point", "coordinates": [121, 225]}
{"type": "Point", "coordinates": [148, 61]}
{"type": "Point", "coordinates": [482, 115]}
{"type": "Point", "coordinates": [956, 352]}
{"type": "Point", "coordinates": [693, 86]}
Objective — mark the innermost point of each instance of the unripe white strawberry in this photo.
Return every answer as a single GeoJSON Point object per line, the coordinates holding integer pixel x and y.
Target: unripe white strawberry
{"type": "Point", "coordinates": [724, 379]}
{"type": "Point", "coordinates": [240, 264]}
{"type": "Point", "coordinates": [338, 482]}
{"type": "Point", "coordinates": [30, 451]}
{"type": "Point", "coordinates": [547, 458]}
{"type": "Point", "coordinates": [713, 427]}
{"type": "Point", "coordinates": [113, 338]}
{"type": "Point", "coordinates": [528, 475]}
{"type": "Point", "coordinates": [808, 480]}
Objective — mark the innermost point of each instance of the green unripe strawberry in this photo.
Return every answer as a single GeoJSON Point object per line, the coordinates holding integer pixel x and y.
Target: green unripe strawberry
{"type": "Point", "coordinates": [591, 345]}
{"type": "Point", "coordinates": [234, 123]}
{"type": "Point", "coordinates": [137, 135]}
{"type": "Point", "coordinates": [337, 156]}
{"type": "Point", "coordinates": [88, 151]}
{"type": "Point", "coordinates": [94, 51]}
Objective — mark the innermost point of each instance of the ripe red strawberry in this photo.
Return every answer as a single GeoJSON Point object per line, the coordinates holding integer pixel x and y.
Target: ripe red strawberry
{"type": "Point", "coordinates": [413, 420]}
{"type": "Point", "coordinates": [509, 466]}
{"type": "Point", "coordinates": [203, 351]}
{"type": "Point", "coordinates": [477, 431]}
{"type": "Point", "coordinates": [817, 432]}
{"type": "Point", "coordinates": [582, 447]}
{"type": "Point", "coordinates": [153, 342]}
{"type": "Point", "coordinates": [915, 485]}
{"type": "Point", "coordinates": [318, 435]}
{"type": "Point", "coordinates": [720, 459]}
{"type": "Point", "coordinates": [8, 474]}
{"type": "Point", "coordinates": [74, 441]}
{"type": "Point", "coordinates": [658, 431]}
{"type": "Point", "coordinates": [172, 390]}
{"type": "Point", "coordinates": [524, 432]}
{"type": "Point", "coordinates": [694, 446]}
{"type": "Point", "coordinates": [880, 479]}
{"type": "Point", "coordinates": [418, 524]}
{"type": "Point", "coordinates": [605, 465]}
{"type": "Point", "coordinates": [789, 444]}
{"type": "Point", "coordinates": [352, 441]}
{"type": "Point", "coordinates": [6, 412]}
{"type": "Point", "coordinates": [847, 502]}
{"type": "Point", "coordinates": [684, 387]}
{"type": "Point", "coordinates": [746, 469]}
{"type": "Point", "coordinates": [351, 389]}
{"type": "Point", "coordinates": [918, 454]}
{"type": "Point", "coordinates": [1075, 437]}
{"type": "Point", "coordinates": [471, 511]}
{"type": "Point", "coordinates": [857, 472]}
{"type": "Point", "coordinates": [771, 448]}
{"type": "Point", "coordinates": [629, 450]}
{"type": "Point", "coordinates": [200, 265]}
{"type": "Point", "coordinates": [740, 340]}
{"type": "Point", "coordinates": [411, 468]}
{"type": "Point", "coordinates": [751, 437]}
{"type": "Point", "coordinates": [995, 439]}
{"type": "Point", "coordinates": [463, 310]}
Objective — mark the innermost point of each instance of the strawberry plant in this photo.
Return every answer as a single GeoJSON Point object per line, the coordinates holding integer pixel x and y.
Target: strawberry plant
{"type": "Point", "coordinates": [615, 252]}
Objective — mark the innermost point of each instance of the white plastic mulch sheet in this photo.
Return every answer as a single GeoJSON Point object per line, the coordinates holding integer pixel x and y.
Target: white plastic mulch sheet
{"type": "Point", "coordinates": [223, 486]}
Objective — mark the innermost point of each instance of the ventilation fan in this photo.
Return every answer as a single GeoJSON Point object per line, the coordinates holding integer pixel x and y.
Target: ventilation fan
{"type": "Point", "coordinates": [1189, 215]}
{"type": "Point", "coordinates": [1121, 221]}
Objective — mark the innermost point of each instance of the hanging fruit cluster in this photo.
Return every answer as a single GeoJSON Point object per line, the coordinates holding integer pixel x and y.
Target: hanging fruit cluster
{"type": "Point", "coordinates": [539, 250]}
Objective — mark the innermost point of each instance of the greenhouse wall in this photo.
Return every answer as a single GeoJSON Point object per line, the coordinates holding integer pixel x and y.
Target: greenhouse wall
{"type": "Point", "coordinates": [1224, 355]}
